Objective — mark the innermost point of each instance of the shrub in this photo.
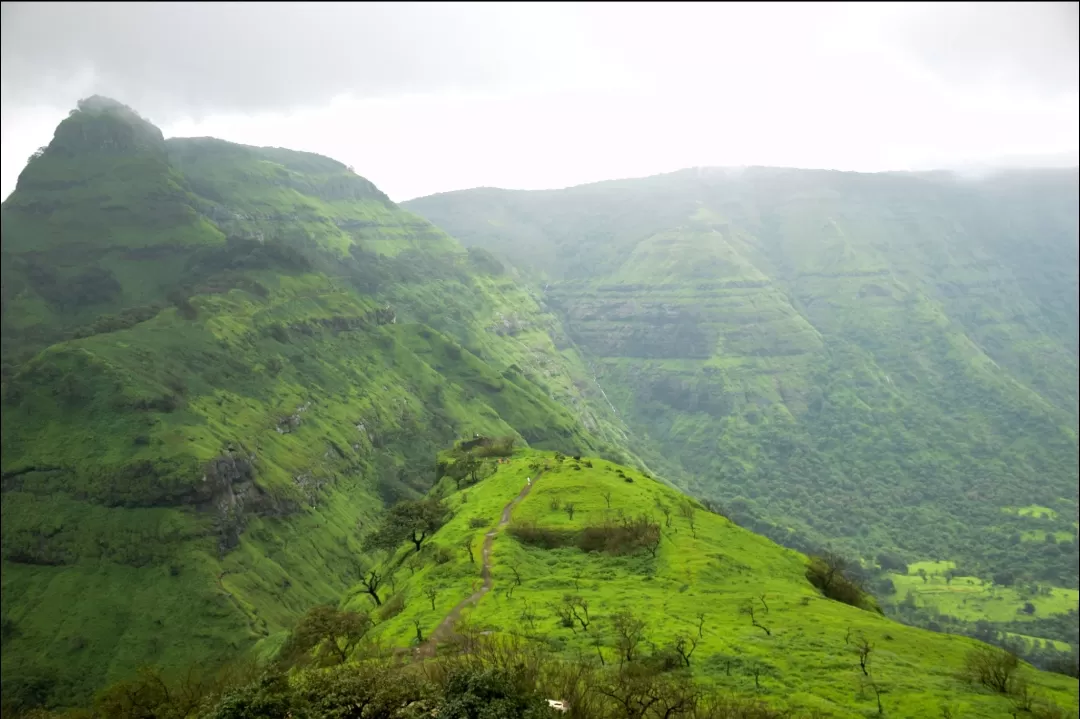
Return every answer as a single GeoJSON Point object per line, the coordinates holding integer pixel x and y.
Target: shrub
{"type": "Point", "coordinates": [543, 537]}
{"type": "Point", "coordinates": [829, 573]}
{"type": "Point", "coordinates": [478, 523]}
{"type": "Point", "coordinates": [497, 447]}
{"type": "Point", "coordinates": [392, 608]}
{"type": "Point", "coordinates": [625, 537]}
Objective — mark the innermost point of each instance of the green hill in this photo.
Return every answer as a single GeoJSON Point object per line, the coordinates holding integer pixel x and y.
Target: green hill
{"type": "Point", "coordinates": [883, 363]}
{"type": "Point", "coordinates": [219, 362]}
{"type": "Point", "coordinates": [697, 582]}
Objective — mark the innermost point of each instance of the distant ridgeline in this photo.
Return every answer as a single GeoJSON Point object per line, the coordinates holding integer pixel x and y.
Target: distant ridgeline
{"type": "Point", "coordinates": [219, 363]}
{"type": "Point", "coordinates": [881, 363]}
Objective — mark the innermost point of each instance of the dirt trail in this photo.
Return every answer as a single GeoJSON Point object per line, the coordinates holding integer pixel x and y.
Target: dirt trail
{"type": "Point", "coordinates": [446, 626]}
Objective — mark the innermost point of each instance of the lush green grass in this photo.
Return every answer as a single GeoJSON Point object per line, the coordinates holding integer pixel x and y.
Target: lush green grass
{"type": "Point", "coordinates": [717, 573]}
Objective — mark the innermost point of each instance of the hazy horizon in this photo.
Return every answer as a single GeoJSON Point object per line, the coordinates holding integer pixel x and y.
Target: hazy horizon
{"type": "Point", "coordinates": [423, 99]}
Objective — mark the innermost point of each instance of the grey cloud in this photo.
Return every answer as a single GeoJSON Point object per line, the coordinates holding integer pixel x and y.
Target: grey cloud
{"type": "Point", "coordinates": [1034, 45]}
{"type": "Point", "coordinates": [190, 59]}
{"type": "Point", "coordinates": [181, 58]}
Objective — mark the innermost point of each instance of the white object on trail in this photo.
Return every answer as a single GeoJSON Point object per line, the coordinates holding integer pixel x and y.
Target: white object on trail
{"type": "Point", "coordinates": [528, 481]}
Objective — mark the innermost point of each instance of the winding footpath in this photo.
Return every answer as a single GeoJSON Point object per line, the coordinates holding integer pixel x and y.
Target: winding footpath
{"type": "Point", "coordinates": [446, 626]}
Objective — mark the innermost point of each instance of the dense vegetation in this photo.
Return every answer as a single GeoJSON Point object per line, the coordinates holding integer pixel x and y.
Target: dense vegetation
{"type": "Point", "coordinates": [874, 363]}
{"type": "Point", "coordinates": [219, 362]}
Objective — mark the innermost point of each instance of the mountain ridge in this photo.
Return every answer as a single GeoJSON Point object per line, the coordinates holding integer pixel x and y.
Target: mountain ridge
{"type": "Point", "coordinates": [203, 406]}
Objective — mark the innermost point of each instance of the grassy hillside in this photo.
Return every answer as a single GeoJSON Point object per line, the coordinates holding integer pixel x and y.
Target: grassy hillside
{"type": "Point", "coordinates": [882, 363]}
{"type": "Point", "coordinates": [219, 363]}
{"type": "Point", "coordinates": [590, 584]}
{"type": "Point", "coordinates": [705, 573]}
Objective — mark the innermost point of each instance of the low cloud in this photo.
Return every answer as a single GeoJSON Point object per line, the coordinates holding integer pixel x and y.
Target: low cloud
{"type": "Point", "coordinates": [175, 59]}
{"type": "Point", "coordinates": [425, 97]}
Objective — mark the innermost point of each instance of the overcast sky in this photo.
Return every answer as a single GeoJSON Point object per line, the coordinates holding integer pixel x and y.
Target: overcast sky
{"type": "Point", "coordinates": [424, 98]}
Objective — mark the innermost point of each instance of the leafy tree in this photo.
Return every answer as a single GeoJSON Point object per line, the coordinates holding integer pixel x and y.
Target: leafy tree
{"type": "Point", "coordinates": [331, 632]}
{"type": "Point", "coordinates": [891, 562]}
{"type": "Point", "coordinates": [629, 633]}
{"type": "Point", "coordinates": [408, 520]}
{"type": "Point", "coordinates": [464, 469]}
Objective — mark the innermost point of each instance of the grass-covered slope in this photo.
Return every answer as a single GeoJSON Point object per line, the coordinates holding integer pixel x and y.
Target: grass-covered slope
{"type": "Point", "coordinates": [798, 652]}
{"type": "Point", "coordinates": [219, 363]}
{"type": "Point", "coordinates": [881, 362]}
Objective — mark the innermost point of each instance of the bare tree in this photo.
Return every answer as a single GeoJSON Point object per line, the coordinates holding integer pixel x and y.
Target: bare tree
{"type": "Point", "coordinates": [993, 668]}
{"type": "Point", "coordinates": [666, 510]}
{"type": "Point", "coordinates": [514, 583]}
{"type": "Point", "coordinates": [419, 632]}
{"type": "Point", "coordinates": [701, 624]}
{"type": "Point", "coordinates": [412, 564]}
{"type": "Point", "coordinates": [607, 498]}
{"type": "Point", "coordinates": [431, 593]}
{"type": "Point", "coordinates": [528, 616]}
{"type": "Point", "coordinates": [565, 613]}
{"type": "Point", "coordinates": [569, 509]}
{"type": "Point", "coordinates": [749, 610]}
{"type": "Point", "coordinates": [639, 692]}
{"type": "Point", "coordinates": [578, 608]}
{"type": "Point", "coordinates": [685, 646]}
{"type": "Point", "coordinates": [371, 581]}
{"type": "Point", "coordinates": [652, 536]}
{"type": "Point", "coordinates": [863, 648]}
{"type": "Point", "coordinates": [598, 644]}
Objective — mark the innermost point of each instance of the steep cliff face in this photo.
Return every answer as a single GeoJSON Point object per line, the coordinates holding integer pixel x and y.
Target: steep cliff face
{"type": "Point", "coordinates": [219, 363]}
{"type": "Point", "coordinates": [879, 361]}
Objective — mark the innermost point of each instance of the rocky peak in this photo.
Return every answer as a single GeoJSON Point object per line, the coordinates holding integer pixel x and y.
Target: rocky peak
{"type": "Point", "coordinates": [101, 124]}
